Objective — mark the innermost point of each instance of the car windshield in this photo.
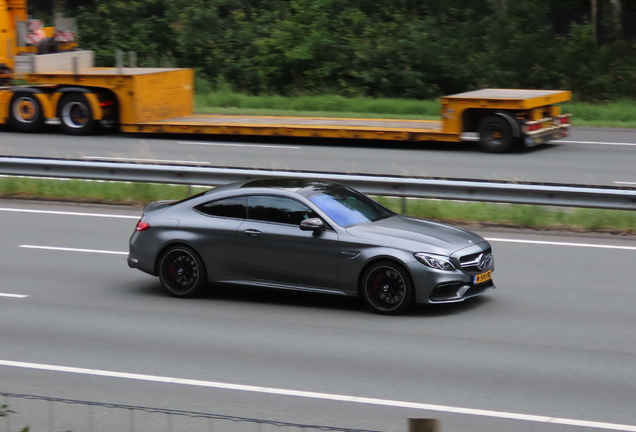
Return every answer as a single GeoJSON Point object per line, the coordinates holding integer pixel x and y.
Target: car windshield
{"type": "Point", "coordinates": [347, 207]}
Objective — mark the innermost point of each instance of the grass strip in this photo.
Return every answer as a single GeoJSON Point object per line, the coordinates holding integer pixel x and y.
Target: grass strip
{"type": "Point", "coordinates": [609, 114]}
{"type": "Point", "coordinates": [462, 213]}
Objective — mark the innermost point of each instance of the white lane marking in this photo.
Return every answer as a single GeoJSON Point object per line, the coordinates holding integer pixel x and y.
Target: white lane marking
{"type": "Point", "coordinates": [625, 183]}
{"type": "Point", "coordinates": [600, 246]}
{"type": "Point", "coordinates": [13, 295]}
{"type": "Point", "coordinates": [68, 213]}
{"type": "Point", "coordinates": [73, 249]}
{"type": "Point", "coordinates": [324, 396]}
{"type": "Point", "coordinates": [594, 142]}
{"type": "Point", "coordinates": [539, 242]}
{"type": "Point", "coordinates": [238, 145]}
{"type": "Point", "coordinates": [144, 160]}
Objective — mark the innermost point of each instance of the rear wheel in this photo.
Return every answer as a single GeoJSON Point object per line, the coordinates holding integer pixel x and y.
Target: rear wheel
{"type": "Point", "coordinates": [387, 288]}
{"type": "Point", "coordinates": [182, 272]}
{"type": "Point", "coordinates": [26, 112]}
{"type": "Point", "coordinates": [495, 135]}
{"type": "Point", "coordinates": [76, 115]}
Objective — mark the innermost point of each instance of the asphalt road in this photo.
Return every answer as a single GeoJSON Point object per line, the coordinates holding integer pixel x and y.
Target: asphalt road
{"type": "Point", "coordinates": [555, 339]}
{"type": "Point", "coordinates": [591, 156]}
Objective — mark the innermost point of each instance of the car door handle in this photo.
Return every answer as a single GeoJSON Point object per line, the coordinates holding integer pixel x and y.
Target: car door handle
{"type": "Point", "coordinates": [252, 232]}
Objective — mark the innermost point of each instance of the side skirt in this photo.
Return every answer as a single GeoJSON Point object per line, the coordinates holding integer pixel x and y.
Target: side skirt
{"type": "Point", "coordinates": [288, 287]}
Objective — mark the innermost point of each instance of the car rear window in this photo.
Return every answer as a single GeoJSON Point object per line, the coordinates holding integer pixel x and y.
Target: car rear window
{"type": "Point", "coordinates": [234, 207]}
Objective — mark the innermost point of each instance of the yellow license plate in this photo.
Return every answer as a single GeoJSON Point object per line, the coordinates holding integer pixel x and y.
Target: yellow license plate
{"type": "Point", "coordinates": [546, 124]}
{"type": "Point", "coordinates": [483, 277]}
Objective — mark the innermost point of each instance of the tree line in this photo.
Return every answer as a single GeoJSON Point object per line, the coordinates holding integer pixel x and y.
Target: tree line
{"type": "Point", "coordinates": [377, 48]}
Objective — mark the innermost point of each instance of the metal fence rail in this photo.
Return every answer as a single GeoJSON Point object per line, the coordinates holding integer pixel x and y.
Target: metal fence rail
{"type": "Point", "coordinates": [53, 414]}
{"type": "Point", "coordinates": [468, 190]}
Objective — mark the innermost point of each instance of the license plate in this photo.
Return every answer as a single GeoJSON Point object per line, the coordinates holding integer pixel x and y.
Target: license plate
{"type": "Point", "coordinates": [546, 124]}
{"type": "Point", "coordinates": [482, 277]}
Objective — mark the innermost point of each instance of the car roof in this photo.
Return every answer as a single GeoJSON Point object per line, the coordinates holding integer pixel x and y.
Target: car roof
{"type": "Point", "coordinates": [303, 187]}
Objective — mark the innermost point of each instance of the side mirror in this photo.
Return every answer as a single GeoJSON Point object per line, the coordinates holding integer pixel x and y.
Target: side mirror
{"type": "Point", "coordinates": [312, 224]}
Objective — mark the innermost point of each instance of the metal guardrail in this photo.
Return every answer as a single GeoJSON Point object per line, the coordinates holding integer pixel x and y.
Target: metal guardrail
{"type": "Point", "coordinates": [468, 190]}
{"type": "Point", "coordinates": [48, 413]}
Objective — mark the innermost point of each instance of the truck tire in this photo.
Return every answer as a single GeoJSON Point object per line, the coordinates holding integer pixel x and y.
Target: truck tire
{"type": "Point", "coordinates": [495, 135]}
{"type": "Point", "coordinates": [76, 115]}
{"type": "Point", "coordinates": [26, 112]}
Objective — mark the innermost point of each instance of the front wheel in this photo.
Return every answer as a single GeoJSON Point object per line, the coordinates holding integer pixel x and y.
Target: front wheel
{"type": "Point", "coordinates": [387, 288]}
{"type": "Point", "coordinates": [182, 272]}
{"type": "Point", "coordinates": [495, 135]}
{"type": "Point", "coordinates": [76, 115]}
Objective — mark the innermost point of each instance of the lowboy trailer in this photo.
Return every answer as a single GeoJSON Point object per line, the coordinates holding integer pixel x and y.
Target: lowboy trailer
{"type": "Point", "coordinates": [64, 88]}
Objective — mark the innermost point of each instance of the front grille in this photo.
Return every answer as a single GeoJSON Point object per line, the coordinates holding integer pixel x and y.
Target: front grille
{"type": "Point", "coordinates": [471, 263]}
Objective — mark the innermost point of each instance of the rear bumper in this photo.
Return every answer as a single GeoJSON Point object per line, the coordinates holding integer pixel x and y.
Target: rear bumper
{"type": "Point", "coordinates": [544, 137]}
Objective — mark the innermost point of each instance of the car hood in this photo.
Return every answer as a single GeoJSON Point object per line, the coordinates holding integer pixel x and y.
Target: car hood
{"type": "Point", "coordinates": [416, 235]}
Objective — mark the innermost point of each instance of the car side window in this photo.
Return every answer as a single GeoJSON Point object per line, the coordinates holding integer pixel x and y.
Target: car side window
{"type": "Point", "coordinates": [269, 208]}
{"type": "Point", "coordinates": [234, 207]}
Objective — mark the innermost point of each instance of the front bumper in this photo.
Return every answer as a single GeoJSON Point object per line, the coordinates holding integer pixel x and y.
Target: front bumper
{"type": "Point", "coordinates": [457, 292]}
{"type": "Point", "coordinates": [437, 286]}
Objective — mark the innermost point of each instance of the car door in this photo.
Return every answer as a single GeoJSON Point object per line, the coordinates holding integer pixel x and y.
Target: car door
{"type": "Point", "coordinates": [211, 229]}
{"type": "Point", "coordinates": [271, 246]}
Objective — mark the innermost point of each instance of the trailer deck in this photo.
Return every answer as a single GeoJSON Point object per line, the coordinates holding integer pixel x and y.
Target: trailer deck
{"type": "Point", "coordinates": [420, 130]}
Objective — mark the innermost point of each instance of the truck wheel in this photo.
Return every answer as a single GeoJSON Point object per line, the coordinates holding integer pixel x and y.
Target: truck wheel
{"type": "Point", "coordinates": [76, 115]}
{"type": "Point", "coordinates": [26, 112]}
{"type": "Point", "coordinates": [495, 135]}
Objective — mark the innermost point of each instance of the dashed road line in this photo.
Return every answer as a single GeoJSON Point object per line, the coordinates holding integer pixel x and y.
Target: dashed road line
{"type": "Point", "coordinates": [66, 213]}
{"type": "Point", "coordinates": [550, 243]}
{"type": "Point", "coordinates": [13, 295]}
{"type": "Point", "coordinates": [238, 145]}
{"type": "Point", "coordinates": [123, 159]}
{"type": "Point", "coordinates": [594, 142]}
{"type": "Point", "coordinates": [65, 249]}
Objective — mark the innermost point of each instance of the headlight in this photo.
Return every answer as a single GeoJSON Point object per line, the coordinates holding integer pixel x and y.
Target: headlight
{"type": "Point", "coordinates": [439, 262]}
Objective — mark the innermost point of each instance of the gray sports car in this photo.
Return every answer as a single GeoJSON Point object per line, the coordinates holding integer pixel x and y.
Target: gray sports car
{"type": "Point", "coordinates": [308, 235]}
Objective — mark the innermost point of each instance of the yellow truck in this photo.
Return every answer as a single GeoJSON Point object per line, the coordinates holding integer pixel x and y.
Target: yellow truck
{"type": "Point", "coordinates": [64, 88]}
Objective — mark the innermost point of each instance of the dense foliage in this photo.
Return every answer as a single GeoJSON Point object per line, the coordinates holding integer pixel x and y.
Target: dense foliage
{"type": "Point", "coordinates": [390, 48]}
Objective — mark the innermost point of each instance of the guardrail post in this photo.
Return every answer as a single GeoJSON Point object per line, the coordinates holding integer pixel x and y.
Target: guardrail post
{"type": "Point", "coordinates": [424, 425]}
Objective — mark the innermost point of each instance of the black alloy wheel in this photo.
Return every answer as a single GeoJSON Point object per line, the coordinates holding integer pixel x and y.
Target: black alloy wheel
{"type": "Point", "coordinates": [182, 272]}
{"type": "Point", "coordinates": [387, 288]}
{"type": "Point", "coordinates": [26, 112]}
{"type": "Point", "coordinates": [495, 135]}
{"type": "Point", "coordinates": [76, 115]}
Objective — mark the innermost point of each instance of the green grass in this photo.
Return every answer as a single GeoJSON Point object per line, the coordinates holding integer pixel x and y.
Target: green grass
{"type": "Point", "coordinates": [610, 114]}
{"type": "Point", "coordinates": [91, 191]}
{"type": "Point", "coordinates": [463, 213]}
{"type": "Point", "coordinates": [517, 215]}
{"type": "Point", "coordinates": [226, 102]}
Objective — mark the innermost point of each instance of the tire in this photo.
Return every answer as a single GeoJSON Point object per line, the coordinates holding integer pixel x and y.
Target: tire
{"type": "Point", "coordinates": [495, 135]}
{"type": "Point", "coordinates": [182, 272]}
{"type": "Point", "coordinates": [26, 112]}
{"type": "Point", "coordinates": [76, 115]}
{"type": "Point", "coordinates": [387, 288]}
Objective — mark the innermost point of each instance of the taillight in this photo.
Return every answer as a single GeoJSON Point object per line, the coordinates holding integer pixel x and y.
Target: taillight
{"type": "Point", "coordinates": [565, 120]}
{"type": "Point", "coordinates": [106, 103]}
{"type": "Point", "coordinates": [142, 226]}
